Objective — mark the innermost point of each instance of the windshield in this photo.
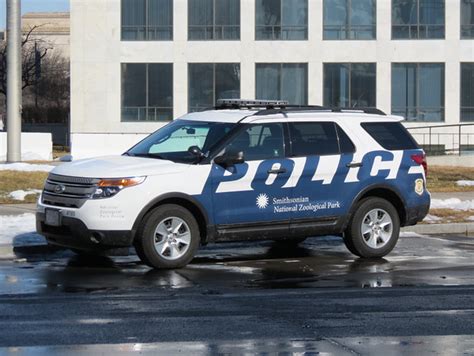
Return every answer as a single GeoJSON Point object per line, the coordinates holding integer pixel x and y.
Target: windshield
{"type": "Point", "coordinates": [173, 141]}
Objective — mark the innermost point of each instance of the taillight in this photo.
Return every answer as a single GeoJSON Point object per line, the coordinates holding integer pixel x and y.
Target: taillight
{"type": "Point", "coordinates": [420, 158]}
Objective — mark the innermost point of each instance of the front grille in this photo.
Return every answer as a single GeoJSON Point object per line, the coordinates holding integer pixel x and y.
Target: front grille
{"type": "Point", "coordinates": [68, 192]}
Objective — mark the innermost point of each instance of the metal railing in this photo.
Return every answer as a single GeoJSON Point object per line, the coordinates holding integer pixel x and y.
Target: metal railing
{"type": "Point", "coordinates": [278, 32]}
{"type": "Point", "coordinates": [214, 32]}
{"type": "Point", "coordinates": [455, 139]}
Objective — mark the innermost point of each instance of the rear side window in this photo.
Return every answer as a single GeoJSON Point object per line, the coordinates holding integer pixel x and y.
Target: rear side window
{"type": "Point", "coordinates": [390, 135]}
{"type": "Point", "coordinates": [345, 142]}
{"type": "Point", "coordinates": [313, 138]}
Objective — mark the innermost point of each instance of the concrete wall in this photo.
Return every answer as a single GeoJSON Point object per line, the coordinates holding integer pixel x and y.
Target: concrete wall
{"type": "Point", "coordinates": [97, 53]}
{"type": "Point", "coordinates": [34, 146]}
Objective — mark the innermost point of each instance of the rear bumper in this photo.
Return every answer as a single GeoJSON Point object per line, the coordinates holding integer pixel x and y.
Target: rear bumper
{"type": "Point", "coordinates": [73, 233]}
{"type": "Point", "coordinates": [416, 214]}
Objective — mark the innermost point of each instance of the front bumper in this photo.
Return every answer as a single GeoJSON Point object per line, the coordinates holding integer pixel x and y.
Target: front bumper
{"type": "Point", "coordinates": [73, 233]}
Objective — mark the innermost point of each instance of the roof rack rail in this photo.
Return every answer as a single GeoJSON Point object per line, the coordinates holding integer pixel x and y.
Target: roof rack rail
{"type": "Point", "coordinates": [365, 110]}
{"type": "Point", "coordinates": [301, 108]}
{"type": "Point", "coordinates": [246, 104]}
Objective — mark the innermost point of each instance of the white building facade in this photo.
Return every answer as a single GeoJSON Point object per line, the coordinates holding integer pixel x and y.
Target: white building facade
{"type": "Point", "coordinates": [135, 64]}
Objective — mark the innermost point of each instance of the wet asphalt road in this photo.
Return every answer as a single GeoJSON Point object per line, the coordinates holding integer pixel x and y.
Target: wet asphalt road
{"type": "Point", "coordinates": [261, 297]}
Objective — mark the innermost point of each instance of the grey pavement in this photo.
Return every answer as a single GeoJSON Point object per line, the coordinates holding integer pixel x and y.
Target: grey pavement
{"type": "Point", "coordinates": [261, 298]}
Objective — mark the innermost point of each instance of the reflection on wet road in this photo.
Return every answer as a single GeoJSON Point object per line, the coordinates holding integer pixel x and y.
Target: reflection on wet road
{"type": "Point", "coordinates": [261, 298]}
{"type": "Point", "coordinates": [318, 262]}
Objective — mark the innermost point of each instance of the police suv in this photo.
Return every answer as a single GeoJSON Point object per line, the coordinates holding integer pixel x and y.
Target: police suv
{"type": "Point", "coordinates": [245, 170]}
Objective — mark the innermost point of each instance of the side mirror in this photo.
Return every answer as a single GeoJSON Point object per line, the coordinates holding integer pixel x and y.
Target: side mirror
{"type": "Point", "coordinates": [228, 159]}
{"type": "Point", "coordinates": [195, 151]}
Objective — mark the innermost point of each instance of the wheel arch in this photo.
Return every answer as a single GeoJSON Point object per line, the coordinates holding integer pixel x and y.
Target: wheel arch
{"type": "Point", "coordinates": [184, 200]}
{"type": "Point", "coordinates": [386, 192]}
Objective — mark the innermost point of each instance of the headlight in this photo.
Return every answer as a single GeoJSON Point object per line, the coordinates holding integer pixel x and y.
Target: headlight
{"type": "Point", "coordinates": [109, 187]}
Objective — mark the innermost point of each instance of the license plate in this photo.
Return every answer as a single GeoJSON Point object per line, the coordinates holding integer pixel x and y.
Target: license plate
{"type": "Point", "coordinates": [53, 217]}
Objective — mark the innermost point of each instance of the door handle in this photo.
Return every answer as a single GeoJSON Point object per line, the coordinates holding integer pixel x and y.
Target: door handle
{"type": "Point", "coordinates": [354, 164]}
{"type": "Point", "coordinates": [276, 171]}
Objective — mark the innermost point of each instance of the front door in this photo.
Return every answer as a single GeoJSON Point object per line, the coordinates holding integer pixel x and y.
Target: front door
{"type": "Point", "coordinates": [244, 194]}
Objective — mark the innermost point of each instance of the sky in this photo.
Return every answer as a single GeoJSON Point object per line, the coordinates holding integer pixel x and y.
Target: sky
{"type": "Point", "coordinates": [33, 5]}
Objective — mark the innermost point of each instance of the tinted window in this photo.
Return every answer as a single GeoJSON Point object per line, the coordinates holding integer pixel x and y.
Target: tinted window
{"type": "Point", "coordinates": [147, 92]}
{"type": "Point", "coordinates": [282, 81]}
{"type": "Point", "coordinates": [345, 143]}
{"type": "Point", "coordinates": [467, 19]}
{"type": "Point", "coordinates": [259, 142]}
{"type": "Point", "coordinates": [214, 19]}
{"type": "Point", "coordinates": [467, 91]}
{"type": "Point", "coordinates": [313, 139]}
{"type": "Point", "coordinates": [147, 20]}
{"type": "Point", "coordinates": [390, 135]}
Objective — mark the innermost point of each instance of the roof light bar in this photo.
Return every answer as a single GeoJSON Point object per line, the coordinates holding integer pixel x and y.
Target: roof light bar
{"type": "Point", "coordinates": [249, 103]}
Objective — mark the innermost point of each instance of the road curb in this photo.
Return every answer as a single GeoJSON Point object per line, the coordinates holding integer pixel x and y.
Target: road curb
{"type": "Point", "coordinates": [430, 229]}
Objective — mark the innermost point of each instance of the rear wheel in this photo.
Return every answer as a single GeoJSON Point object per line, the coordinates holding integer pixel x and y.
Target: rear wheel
{"type": "Point", "coordinates": [168, 237]}
{"type": "Point", "coordinates": [374, 228]}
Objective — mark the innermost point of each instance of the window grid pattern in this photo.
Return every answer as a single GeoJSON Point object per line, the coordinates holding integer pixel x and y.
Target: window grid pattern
{"type": "Point", "coordinates": [225, 84]}
{"type": "Point", "coordinates": [418, 91]}
{"type": "Point", "coordinates": [350, 30]}
{"type": "Point", "coordinates": [467, 92]}
{"type": "Point", "coordinates": [418, 19]}
{"type": "Point", "coordinates": [282, 81]}
{"type": "Point", "coordinates": [467, 19]}
{"type": "Point", "coordinates": [144, 109]}
{"type": "Point", "coordinates": [279, 30]}
{"type": "Point", "coordinates": [218, 30]}
{"type": "Point", "coordinates": [350, 84]}
{"type": "Point", "coordinates": [147, 20]}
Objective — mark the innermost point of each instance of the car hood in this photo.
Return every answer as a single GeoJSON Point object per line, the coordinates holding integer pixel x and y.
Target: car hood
{"type": "Point", "coordinates": [118, 167]}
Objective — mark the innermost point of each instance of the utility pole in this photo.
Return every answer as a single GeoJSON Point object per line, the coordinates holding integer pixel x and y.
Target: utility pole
{"type": "Point", "coordinates": [14, 80]}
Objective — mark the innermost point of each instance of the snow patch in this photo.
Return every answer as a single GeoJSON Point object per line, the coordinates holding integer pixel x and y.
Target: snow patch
{"type": "Point", "coordinates": [465, 183]}
{"type": "Point", "coordinates": [21, 194]}
{"type": "Point", "coordinates": [26, 167]}
{"type": "Point", "coordinates": [453, 204]}
{"type": "Point", "coordinates": [19, 230]}
{"type": "Point", "coordinates": [430, 219]}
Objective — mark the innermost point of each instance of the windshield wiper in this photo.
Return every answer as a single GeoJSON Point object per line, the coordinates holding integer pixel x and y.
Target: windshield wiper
{"type": "Point", "coordinates": [149, 155]}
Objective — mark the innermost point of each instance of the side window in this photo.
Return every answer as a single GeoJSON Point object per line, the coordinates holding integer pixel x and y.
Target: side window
{"type": "Point", "coordinates": [259, 142]}
{"type": "Point", "coordinates": [390, 135]}
{"type": "Point", "coordinates": [345, 143]}
{"type": "Point", "coordinates": [314, 139]}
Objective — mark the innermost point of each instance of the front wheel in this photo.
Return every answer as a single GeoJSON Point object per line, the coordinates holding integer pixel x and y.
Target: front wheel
{"type": "Point", "coordinates": [374, 228]}
{"type": "Point", "coordinates": [168, 237]}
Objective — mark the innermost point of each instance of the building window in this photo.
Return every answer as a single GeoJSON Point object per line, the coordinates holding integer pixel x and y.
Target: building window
{"type": "Point", "coordinates": [147, 20]}
{"type": "Point", "coordinates": [467, 19]}
{"type": "Point", "coordinates": [349, 20]}
{"type": "Point", "coordinates": [350, 85]}
{"type": "Point", "coordinates": [418, 91]}
{"type": "Point", "coordinates": [417, 19]}
{"type": "Point", "coordinates": [214, 20]}
{"type": "Point", "coordinates": [2, 36]}
{"type": "Point", "coordinates": [281, 20]}
{"type": "Point", "coordinates": [211, 81]}
{"type": "Point", "coordinates": [147, 92]}
{"type": "Point", "coordinates": [282, 81]}
{"type": "Point", "coordinates": [467, 91]}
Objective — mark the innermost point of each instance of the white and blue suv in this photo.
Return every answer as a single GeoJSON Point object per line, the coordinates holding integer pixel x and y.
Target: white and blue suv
{"type": "Point", "coordinates": [243, 171]}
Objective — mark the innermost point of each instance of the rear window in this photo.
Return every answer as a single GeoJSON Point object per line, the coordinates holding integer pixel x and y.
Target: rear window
{"type": "Point", "coordinates": [390, 135]}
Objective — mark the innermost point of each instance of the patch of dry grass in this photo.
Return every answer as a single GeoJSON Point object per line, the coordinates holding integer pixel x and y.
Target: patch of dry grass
{"type": "Point", "coordinates": [443, 179]}
{"type": "Point", "coordinates": [14, 180]}
{"type": "Point", "coordinates": [451, 216]}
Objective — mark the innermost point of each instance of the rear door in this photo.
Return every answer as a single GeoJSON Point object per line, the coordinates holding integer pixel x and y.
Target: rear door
{"type": "Point", "coordinates": [323, 153]}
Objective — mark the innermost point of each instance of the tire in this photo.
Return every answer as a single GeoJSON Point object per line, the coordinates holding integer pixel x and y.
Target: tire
{"type": "Point", "coordinates": [381, 225]}
{"type": "Point", "coordinates": [168, 237]}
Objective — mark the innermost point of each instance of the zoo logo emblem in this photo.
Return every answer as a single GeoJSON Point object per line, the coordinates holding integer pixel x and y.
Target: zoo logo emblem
{"type": "Point", "coordinates": [262, 201]}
